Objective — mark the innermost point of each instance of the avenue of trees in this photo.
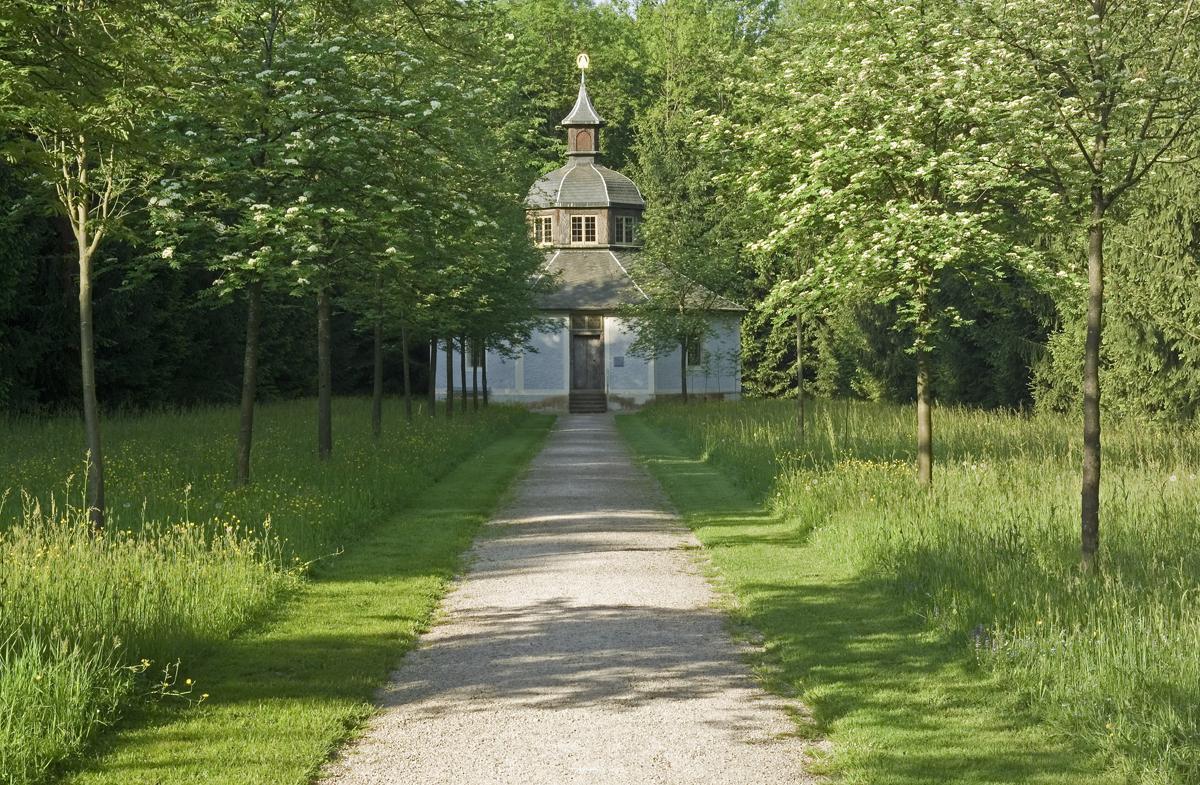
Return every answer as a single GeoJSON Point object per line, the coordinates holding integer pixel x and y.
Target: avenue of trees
{"type": "Point", "coordinates": [931, 196]}
{"type": "Point", "coordinates": [348, 156]}
{"type": "Point", "coordinates": [986, 202]}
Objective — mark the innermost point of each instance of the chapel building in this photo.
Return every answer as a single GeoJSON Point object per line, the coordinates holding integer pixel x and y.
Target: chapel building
{"type": "Point", "coordinates": [586, 217]}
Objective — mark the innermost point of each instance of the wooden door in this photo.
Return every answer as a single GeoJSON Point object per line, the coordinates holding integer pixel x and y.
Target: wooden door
{"type": "Point", "coordinates": [587, 362]}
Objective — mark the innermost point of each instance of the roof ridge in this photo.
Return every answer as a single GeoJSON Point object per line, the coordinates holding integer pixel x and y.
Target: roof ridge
{"type": "Point", "coordinates": [603, 181]}
{"type": "Point", "coordinates": [562, 182]}
{"type": "Point", "coordinates": [617, 259]}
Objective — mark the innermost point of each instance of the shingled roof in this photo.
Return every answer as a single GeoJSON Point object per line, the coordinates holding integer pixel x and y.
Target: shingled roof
{"type": "Point", "coordinates": [584, 183]}
{"type": "Point", "coordinates": [599, 279]}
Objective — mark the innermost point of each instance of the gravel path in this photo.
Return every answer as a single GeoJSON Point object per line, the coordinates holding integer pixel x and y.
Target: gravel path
{"type": "Point", "coordinates": [582, 646]}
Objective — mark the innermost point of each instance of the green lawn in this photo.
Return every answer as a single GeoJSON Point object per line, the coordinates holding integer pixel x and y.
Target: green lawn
{"type": "Point", "coordinates": [900, 705]}
{"type": "Point", "coordinates": [283, 695]}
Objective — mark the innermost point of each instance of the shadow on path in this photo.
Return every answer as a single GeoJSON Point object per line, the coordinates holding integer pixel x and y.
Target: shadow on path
{"type": "Point", "coordinates": [899, 706]}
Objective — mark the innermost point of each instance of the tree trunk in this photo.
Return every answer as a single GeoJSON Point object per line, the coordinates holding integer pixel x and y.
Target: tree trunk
{"type": "Point", "coordinates": [377, 384]}
{"type": "Point", "coordinates": [462, 371]}
{"type": "Point", "coordinates": [433, 355]}
{"type": "Point", "coordinates": [249, 382]}
{"type": "Point", "coordinates": [485, 383]}
{"type": "Point", "coordinates": [408, 401]}
{"type": "Point", "coordinates": [91, 406]}
{"type": "Point", "coordinates": [924, 420]}
{"type": "Point", "coordinates": [324, 376]}
{"type": "Point", "coordinates": [800, 371]}
{"type": "Point", "coordinates": [449, 377]}
{"type": "Point", "coordinates": [474, 380]}
{"type": "Point", "coordinates": [1090, 496]}
{"type": "Point", "coordinates": [683, 366]}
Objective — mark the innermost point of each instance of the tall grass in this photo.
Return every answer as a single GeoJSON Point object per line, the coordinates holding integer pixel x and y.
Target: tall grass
{"type": "Point", "coordinates": [88, 623]}
{"type": "Point", "coordinates": [990, 557]}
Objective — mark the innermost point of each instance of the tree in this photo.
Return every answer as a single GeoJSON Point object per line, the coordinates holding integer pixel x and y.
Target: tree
{"type": "Point", "coordinates": [1116, 86]}
{"type": "Point", "coordinates": [894, 186]}
{"type": "Point", "coordinates": [691, 251]}
{"type": "Point", "coordinates": [80, 88]}
{"type": "Point", "coordinates": [284, 151]}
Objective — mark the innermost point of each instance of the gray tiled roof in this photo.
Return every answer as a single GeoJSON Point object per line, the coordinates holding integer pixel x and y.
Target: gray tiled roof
{"type": "Point", "coordinates": [592, 278]}
{"type": "Point", "coordinates": [583, 113]}
{"type": "Point", "coordinates": [599, 279]}
{"type": "Point", "coordinates": [583, 183]}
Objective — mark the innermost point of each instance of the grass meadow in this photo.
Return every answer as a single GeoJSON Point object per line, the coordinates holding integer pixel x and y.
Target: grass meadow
{"type": "Point", "coordinates": [987, 566]}
{"type": "Point", "coordinates": [90, 626]}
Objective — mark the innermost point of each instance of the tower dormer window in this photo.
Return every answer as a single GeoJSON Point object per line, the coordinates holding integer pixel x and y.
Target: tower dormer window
{"type": "Point", "coordinates": [626, 229]}
{"type": "Point", "coordinates": [583, 228]}
{"type": "Point", "coordinates": [543, 230]}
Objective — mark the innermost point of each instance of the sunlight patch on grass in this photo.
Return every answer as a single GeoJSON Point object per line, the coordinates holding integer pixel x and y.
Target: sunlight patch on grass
{"type": "Point", "coordinates": [283, 695]}
{"type": "Point", "coordinates": [900, 705]}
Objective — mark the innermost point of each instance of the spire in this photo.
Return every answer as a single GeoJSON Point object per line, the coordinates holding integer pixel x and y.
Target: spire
{"type": "Point", "coordinates": [583, 123]}
{"type": "Point", "coordinates": [583, 113]}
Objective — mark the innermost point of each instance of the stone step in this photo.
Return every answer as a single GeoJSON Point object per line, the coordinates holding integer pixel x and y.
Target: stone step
{"type": "Point", "coordinates": [588, 402]}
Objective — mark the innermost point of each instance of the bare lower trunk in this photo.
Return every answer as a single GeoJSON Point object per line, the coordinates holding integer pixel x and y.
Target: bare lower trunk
{"type": "Point", "coordinates": [462, 370]}
{"type": "Point", "coordinates": [324, 377]}
{"type": "Point", "coordinates": [800, 371]}
{"type": "Point", "coordinates": [1090, 495]}
{"type": "Point", "coordinates": [449, 377]}
{"type": "Point", "coordinates": [408, 398]}
{"type": "Point", "coordinates": [683, 370]}
{"type": "Point", "coordinates": [474, 382]}
{"type": "Point", "coordinates": [249, 381]}
{"type": "Point", "coordinates": [377, 385]}
{"type": "Point", "coordinates": [433, 355]}
{"type": "Point", "coordinates": [924, 420]}
{"type": "Point", "coordinates": [91, 406]}
{"type": "Point", "coordinates": [485, 382]}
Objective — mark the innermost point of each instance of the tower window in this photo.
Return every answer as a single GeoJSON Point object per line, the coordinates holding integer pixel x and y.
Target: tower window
{"type": "Point", "coordinates": [583, 228]}
{"type": "Point", "coordinates": [543, 230]}
{"type": "Point", "coordinates": [626, 229]}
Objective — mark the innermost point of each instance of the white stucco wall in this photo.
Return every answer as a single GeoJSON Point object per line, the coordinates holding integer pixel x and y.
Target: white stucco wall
{"type": "Point", "coordinates": [541, 377]}
{"type": "Point", "coordinates": [625, 375]}
{"type": "Point", "coordinates": [719, 371]}
{"type": "Point", "coordinates": [537, 378]}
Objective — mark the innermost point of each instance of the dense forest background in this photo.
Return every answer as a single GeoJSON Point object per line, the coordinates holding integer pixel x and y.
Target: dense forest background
{"type": "Point", "coordinates": [664, 74]}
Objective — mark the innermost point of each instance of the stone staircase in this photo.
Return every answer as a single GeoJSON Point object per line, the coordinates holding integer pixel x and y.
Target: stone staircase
{"type": "Point", "coordinates": [588, 402]}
